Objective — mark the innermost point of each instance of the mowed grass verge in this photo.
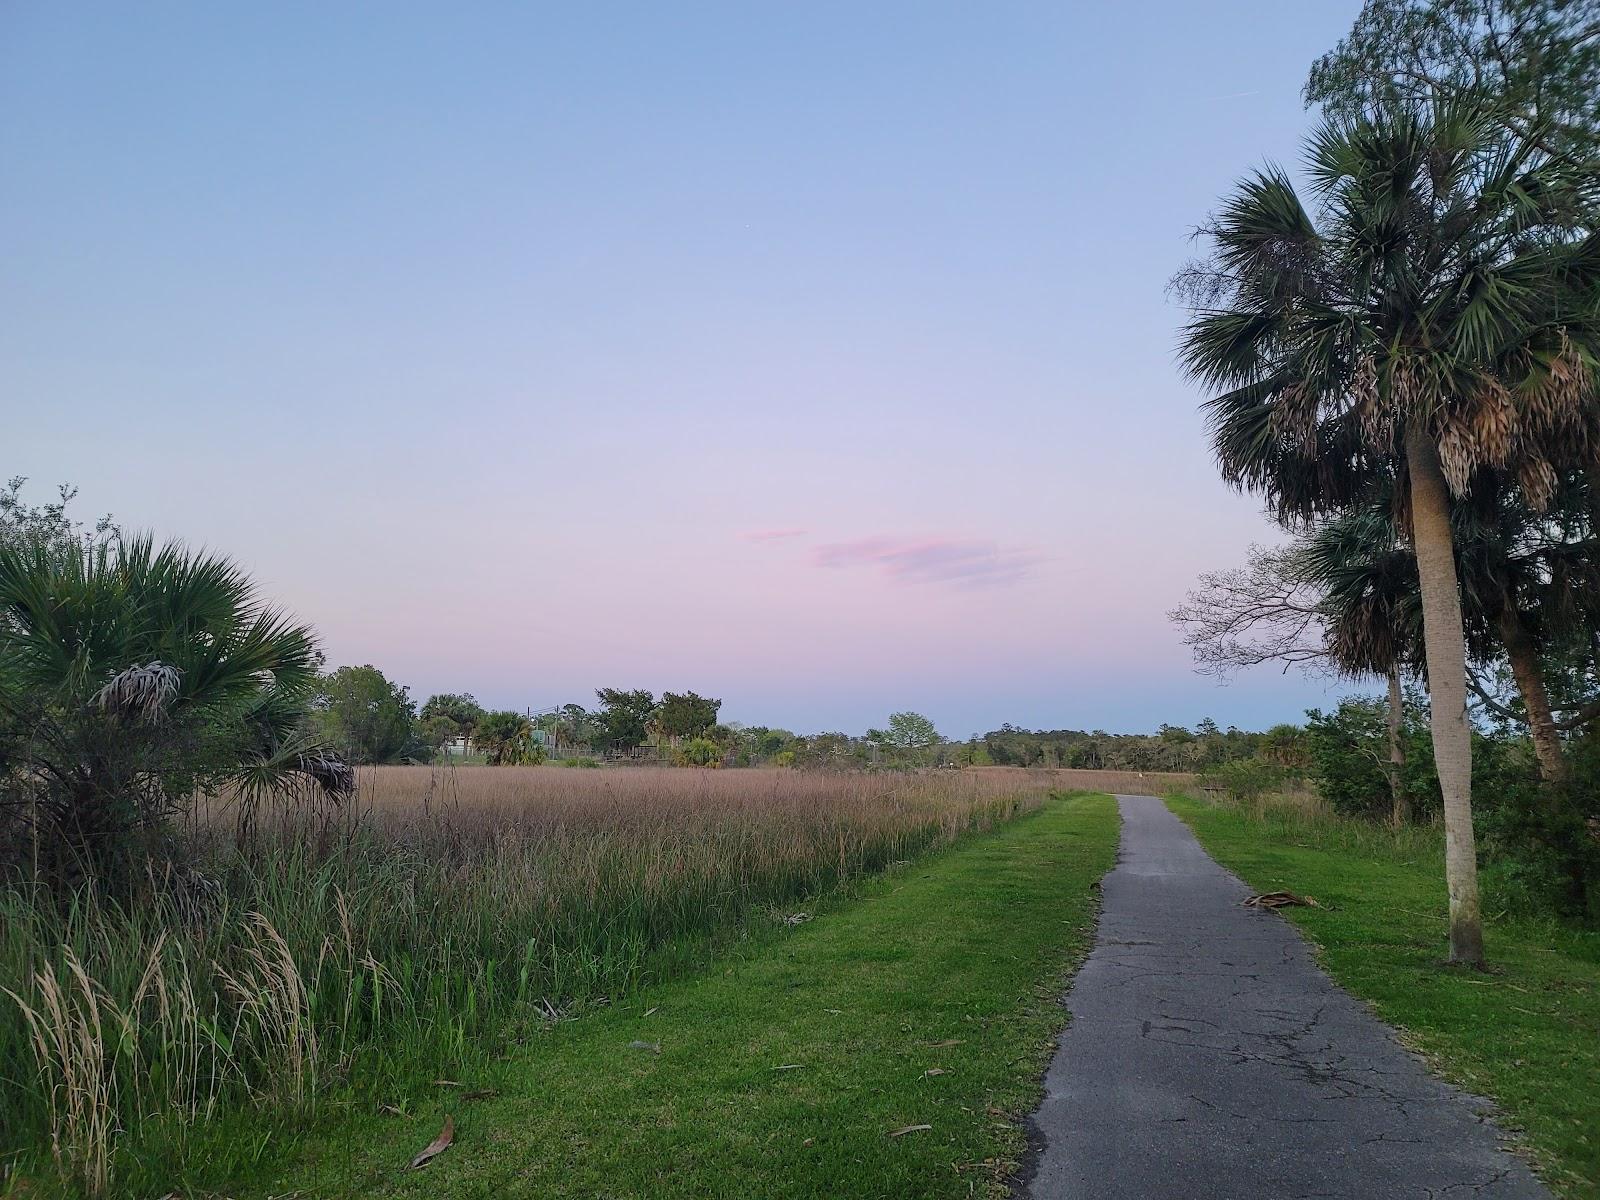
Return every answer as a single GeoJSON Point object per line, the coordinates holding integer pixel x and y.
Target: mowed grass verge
{"type": "Point", "coordinates": [1526, 1033]}
{"type": "Point", "coordinates": [931, 999]}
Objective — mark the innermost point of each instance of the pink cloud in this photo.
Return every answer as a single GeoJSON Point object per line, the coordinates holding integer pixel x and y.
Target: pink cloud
{"type": "Point", "coordinates": [931, 560]}
{"type": "Point", "coordinates": [773, 535]}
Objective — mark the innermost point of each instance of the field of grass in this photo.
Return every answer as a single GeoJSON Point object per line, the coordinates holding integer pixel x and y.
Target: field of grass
{"type": "Point", "coordinates": [924, 1003]}
{"type": "Point", "coordinates": [1117, 783]}
{"type": "Point", "coordinates": [1526, 1033]}
{"type": "Point", "coordinates": [352, 949]}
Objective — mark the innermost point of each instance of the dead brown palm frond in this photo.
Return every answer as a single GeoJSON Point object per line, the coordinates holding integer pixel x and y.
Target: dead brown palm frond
{"type": "Point", "coordinates": [1294, 417]}
{"type": "Point", "coordinates": [1372, 406]}
{"type": "Point", "coordinates": [1538, 481]}
{"type": "Point", "coordinates": [1492, 418]}
{"type": "Point", "coordinates": [1459, 455]}
{"type": "Point", "coordinates": [140, 693]}
{"type": "Point", "coordinates": [1284, 899]}
{"type": "Point", "coordinates": [1566, 384]}
{"type": "Point", "coordinates": [335, 777]}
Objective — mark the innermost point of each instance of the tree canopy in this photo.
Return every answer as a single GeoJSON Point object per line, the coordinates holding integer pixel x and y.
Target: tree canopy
{"type": "Point", "coordinates": [623, 720]}
{"type": "Point", "coordinates": [1534, 63]}
{"type": "Point", "coordinates": [686, 715]}
{"type": "Point", "coordinates": [365, 716]}
{"type": "Point", "coordinates": [459, 710]}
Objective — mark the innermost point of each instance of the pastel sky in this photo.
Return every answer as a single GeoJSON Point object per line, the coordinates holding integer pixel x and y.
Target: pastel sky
{"type": "Point", "coordinates": [815, 356]}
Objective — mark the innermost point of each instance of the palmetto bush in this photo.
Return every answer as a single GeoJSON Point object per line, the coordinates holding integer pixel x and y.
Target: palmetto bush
{"type": "Point", "coordinates": [132, 676]}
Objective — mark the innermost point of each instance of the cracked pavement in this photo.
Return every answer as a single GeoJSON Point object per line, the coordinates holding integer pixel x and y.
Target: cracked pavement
{"type": "Point", "coordinates": [1209, 1057]}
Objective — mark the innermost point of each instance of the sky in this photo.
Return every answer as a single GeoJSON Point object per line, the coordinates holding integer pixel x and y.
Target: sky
{"type": "Point", "coordinates": [813, 356]}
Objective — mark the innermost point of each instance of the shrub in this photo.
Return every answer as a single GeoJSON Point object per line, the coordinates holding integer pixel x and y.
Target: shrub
{"type": "Point", "coordinates": [1244, 780]}
{"type": "Point", "coordinates": [1540, 842]}
{"type": "Point", "coordinates": [699, 752]}
{"type": "Point", "coordinates": [1348, 751]}
{"type": "Point", "coordinates": [367, 718]}
{"type": "Point", "coordinates": [132, 676]}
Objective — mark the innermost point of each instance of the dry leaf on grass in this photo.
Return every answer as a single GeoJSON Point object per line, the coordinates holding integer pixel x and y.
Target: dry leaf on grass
{"type": "Point", "coordinates": [436, 1147]}
{"type": "Point", "coordinates": [934, 1071]}
{"type": "Point", "coordinates": [446, 1083]}
{"type": "Point", "coordinates": [942, 1045]}
{"type": "Point", "coordinates": [910, 1129]}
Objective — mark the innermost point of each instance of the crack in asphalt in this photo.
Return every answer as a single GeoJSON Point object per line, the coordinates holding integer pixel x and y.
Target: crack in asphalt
{"type": "Point", "coordinates": [1209, 1057]}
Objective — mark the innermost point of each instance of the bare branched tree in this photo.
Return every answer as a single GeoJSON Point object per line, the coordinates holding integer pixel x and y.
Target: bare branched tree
{"type": "Point", "coordinates": [1267, 611]}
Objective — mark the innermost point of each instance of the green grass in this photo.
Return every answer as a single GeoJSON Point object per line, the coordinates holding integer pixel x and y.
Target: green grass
{"type": "Point", "coordinates": [1526, 1034]}
{"type": "Point", "coordinates": [930, 998]}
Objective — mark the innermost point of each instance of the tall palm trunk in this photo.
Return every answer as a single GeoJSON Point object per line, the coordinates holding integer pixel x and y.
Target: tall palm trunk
{"type": "Point", "coordinates": [1400, 812]}
{"type": "Point", "coordinates": [1526, 671]}
{"type": "Point", "coordinates": [1445, 647]}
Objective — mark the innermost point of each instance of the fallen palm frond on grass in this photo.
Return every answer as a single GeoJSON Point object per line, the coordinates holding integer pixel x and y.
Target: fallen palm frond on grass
{"type": "Point", "coordinates": [316, 951]}
{"type": "Point", "coordinates": [1280, 900]}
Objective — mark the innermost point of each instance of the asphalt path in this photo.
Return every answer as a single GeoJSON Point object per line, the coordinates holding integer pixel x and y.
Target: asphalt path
{"type": "Point", "coordinates": [1210, 1058]}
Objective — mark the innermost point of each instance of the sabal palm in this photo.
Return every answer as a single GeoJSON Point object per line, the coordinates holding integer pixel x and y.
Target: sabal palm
{"type": "Point", "coordinates": [1436, 318]}
{"type": "Point", "coordinates": [1514, 580]}
{"type": "Point", "coordinates": [504, 738]}
{"type": "Point", "coordinates": [132, 674]}
{"type": "Point", "coordinates": [1367, 579]}
{"type": "Point", "coordinates": [1365, 572]}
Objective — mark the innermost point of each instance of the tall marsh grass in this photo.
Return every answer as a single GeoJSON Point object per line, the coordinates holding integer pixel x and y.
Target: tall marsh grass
{"type": "Point", "coordinates": [1119, 783]}
{"type": "Point", "coordinates": [314, 948]}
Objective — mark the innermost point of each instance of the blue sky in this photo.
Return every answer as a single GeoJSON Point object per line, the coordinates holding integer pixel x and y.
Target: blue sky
{"type": "Point", "coordinates": [813, 356]}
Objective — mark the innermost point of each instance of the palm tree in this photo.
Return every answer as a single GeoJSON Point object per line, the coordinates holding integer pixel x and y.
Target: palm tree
{"type": "Point", "coordinates": [1527, 579]}
{"type": "Point", "coordinates": [1437, 318]}
{"type": "Point", "coordinates": [1365, 578]}
{"type": "Point", "coordinates": [131, 678]}
{"type": "Point", "coordinates": [504, 737]}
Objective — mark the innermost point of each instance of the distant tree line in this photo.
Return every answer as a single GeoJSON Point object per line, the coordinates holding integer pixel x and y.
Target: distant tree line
{"type": "Point", "coordinates": [1171, 748]}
